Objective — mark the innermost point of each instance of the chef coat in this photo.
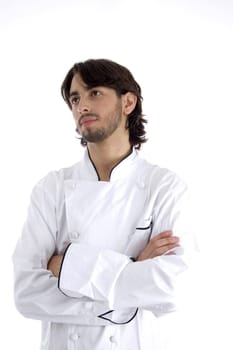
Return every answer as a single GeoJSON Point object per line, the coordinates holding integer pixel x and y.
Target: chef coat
{"type": "Point", "coordinates": [102, 299]}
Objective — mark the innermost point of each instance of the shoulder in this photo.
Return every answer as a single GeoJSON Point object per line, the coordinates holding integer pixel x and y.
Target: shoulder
{"type": "Point", "coordinates": [157, 177]}
{"type": "Point", "coordinates": [53, 182]}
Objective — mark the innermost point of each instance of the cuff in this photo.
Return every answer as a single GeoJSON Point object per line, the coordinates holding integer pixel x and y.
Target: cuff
{"type": "Point", "coordinates": [90, 271]}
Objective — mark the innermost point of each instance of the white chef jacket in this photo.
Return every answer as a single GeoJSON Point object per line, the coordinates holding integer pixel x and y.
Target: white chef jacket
{"type": "Point", "coordinates": [102, 300]}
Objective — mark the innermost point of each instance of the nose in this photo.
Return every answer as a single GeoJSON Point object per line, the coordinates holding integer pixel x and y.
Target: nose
{"type": "Point", "coordinates": [83, 106]}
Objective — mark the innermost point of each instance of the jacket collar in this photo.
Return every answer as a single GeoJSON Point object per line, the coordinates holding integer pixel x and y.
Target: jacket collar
{"type": "Point", "coordinates": [121, 170]}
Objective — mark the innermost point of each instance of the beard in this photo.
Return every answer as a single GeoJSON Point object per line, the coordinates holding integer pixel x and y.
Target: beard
{"type": "Point", "coordinates": [101, 134]}
{"type": "Point", "coordinates": [94, 136]}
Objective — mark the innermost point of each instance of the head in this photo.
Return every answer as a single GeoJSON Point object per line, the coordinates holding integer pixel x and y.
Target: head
{"type": "Point", "coordinates": [106, 73]}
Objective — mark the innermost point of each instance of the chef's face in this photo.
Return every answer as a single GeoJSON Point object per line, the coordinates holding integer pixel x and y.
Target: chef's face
{"type": "Point", "coordinates": [98, 111]}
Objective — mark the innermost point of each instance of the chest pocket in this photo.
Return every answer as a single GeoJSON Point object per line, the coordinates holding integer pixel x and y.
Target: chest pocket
{"type": "Point", "coordinates": [139, 238]}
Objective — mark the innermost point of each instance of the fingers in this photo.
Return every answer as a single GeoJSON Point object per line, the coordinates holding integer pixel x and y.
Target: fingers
{"type": "Point", "coordinates": [164, 234]}
{"type": "Point", "coordinates": [172, 240]}
{"type": "Point", "coordinates": [163, 250]}
{"type": "Point", "coordinates": [159, 245]}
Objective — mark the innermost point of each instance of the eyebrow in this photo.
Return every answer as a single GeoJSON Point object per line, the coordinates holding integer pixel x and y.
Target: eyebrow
{"type": "Point", "coordinates": [73, 93]}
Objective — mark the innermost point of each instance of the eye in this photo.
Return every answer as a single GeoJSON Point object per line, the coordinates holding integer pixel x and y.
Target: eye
{"type": "Point", "coordinates": [74, 100]}
{"type": "Point", "coordinates": [95, 93]}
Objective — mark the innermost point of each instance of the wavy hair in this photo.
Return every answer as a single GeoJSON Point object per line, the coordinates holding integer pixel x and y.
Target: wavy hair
{"type": "Point", "coordinates": [103, 72]}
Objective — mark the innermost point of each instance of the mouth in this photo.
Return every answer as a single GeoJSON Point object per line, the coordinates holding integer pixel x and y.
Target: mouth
{"type": "Point", "coordinates": [87, 120]}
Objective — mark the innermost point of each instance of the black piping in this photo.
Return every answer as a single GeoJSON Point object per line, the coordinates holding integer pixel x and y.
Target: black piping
{"type": "Point", "coordinates": [61, 269]}
{"type": "Point", "coordinates": [93, 165]}
{"type": "Point", "coordinates": [144, 228]}
{"type": "Point", "coordinates": [112, 168]}
{"type": "Point", "coordinates": [119, 323]}
{"type": "Point", "coordinates": [131, 150]}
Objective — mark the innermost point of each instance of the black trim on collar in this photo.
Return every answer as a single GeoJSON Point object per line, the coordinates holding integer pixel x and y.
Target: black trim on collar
{"type": "Point", "coordinates": [127, 155]}
{"type": "Point", "coordinates": [93, 164]}
{"type": "Point", "coordinates": [131, 151]}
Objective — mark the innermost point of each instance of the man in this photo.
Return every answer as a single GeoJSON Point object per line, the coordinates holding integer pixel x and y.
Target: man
{"type": "Point", "coordinates": [105, 239]}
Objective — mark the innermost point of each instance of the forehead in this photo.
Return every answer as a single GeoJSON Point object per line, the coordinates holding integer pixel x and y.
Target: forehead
{"type": "Point", "coordinates": [77, 84]}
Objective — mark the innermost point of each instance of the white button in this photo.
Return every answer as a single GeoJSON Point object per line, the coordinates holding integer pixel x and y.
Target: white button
{"type": "Point", "coordinates": [88, 306]}
{"type": "Point", "coordinates": [112, 339]}
{"type": "Point", "coordinates": [74, 235]}
{"type": "Point", "coordinates": [74, 337]}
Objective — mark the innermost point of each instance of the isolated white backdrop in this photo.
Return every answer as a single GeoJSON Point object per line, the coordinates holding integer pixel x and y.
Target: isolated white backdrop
{"type": "Point", "coordinates": [181, 53]}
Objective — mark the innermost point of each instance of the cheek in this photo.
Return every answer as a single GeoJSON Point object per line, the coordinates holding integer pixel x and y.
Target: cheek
{"type": "Point", "coordinates": [75, 116]}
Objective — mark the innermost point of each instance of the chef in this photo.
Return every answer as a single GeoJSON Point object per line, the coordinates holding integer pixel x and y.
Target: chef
{"type": "Point", "coordinates": [106, 239]}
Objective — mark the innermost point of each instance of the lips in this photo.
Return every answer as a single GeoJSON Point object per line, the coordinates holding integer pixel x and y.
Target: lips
{"type": "Point", "coordinates": [86, 120]}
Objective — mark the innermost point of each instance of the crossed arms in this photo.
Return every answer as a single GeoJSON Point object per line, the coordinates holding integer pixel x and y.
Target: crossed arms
{"type": "Point", "coordinates": [147, 283]}
{"type": "Point", "coordinates": [159, 245]}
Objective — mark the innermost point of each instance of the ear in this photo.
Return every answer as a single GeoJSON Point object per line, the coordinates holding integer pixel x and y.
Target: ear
{"type": "Point", "coordinates": [128, 103]}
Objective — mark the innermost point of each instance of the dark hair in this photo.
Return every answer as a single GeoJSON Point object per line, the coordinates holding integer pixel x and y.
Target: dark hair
{"type": "Point", "coordinates": [103, 72]}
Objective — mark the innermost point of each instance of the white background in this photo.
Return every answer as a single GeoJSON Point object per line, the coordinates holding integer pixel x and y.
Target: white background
{"type": "Point", "coordinates": [181, 53]}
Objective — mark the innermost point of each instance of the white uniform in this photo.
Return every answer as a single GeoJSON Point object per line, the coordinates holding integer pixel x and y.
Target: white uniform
{"type": "Point", "coordinates": [102, 299]}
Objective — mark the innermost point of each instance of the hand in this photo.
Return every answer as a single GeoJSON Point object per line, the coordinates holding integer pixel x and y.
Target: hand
{"type": "Point", "coordinates": [159, 245]}
{"type": "Point", "coordinates": [54, 264]}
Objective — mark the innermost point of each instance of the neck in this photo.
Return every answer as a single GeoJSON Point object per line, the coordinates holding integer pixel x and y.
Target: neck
{"type": "Point", "coordinates": [106, 156]}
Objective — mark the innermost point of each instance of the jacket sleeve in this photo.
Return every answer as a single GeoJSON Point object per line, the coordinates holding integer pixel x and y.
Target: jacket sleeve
{"type": "Point", "coordinates": [35, 288]}
{"type": "Point", "coordinates": [113, 278]}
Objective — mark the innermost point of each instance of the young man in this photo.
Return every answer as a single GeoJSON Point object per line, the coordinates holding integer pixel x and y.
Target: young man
{"type": "Point", "coordinates": [105, 239]}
